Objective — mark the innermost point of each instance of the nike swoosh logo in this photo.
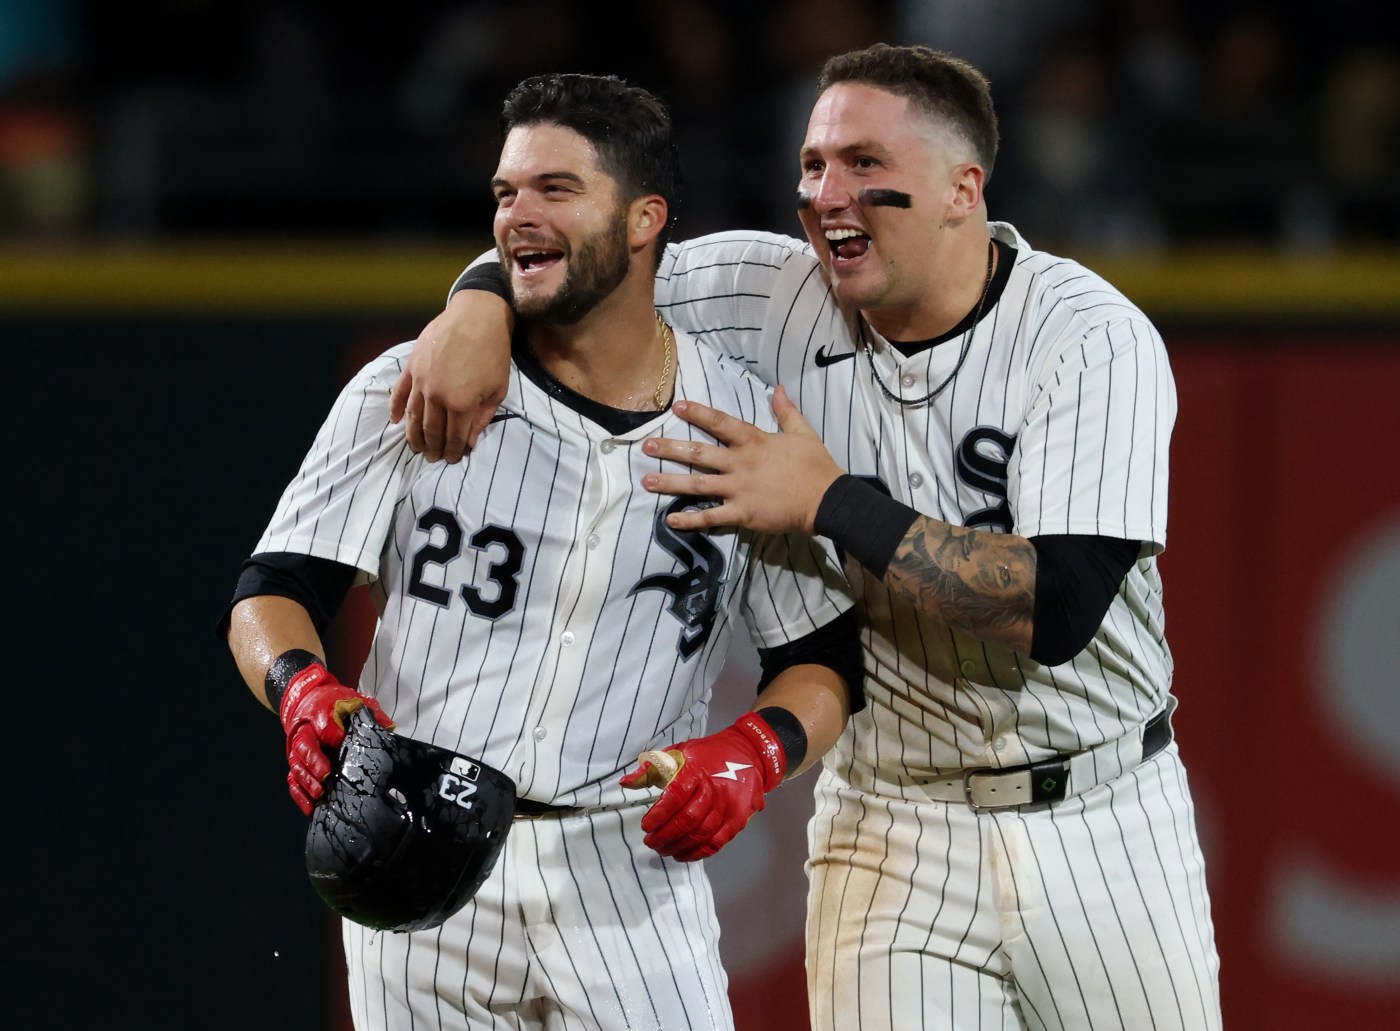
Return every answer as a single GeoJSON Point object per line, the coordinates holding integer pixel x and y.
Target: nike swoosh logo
{"type": "Point", "coordinates": [503, 416]}
{"type": "Point", "coordinates": [824, 358]}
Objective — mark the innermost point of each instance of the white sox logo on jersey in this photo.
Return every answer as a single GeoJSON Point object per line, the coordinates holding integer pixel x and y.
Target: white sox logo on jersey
{"type": "Point", "coordinates": [695, 588]}
{"type": "Point", "coordinates": [983, 457]}
{"type": "Point", "coordinates": [982, 460]}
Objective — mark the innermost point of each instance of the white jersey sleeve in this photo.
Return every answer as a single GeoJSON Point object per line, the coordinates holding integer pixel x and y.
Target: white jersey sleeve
{"type": "Point", "coordinates": [1091, 454]}
{"type": "Point", "coordinates": [341, 503]}
{"type": "Point", "coordinates": [721, 285]}
{"type": "Point", "coordinates": [792, 583]}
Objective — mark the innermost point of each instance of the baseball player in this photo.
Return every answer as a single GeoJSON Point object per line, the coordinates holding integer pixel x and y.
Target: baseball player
{"type": "Point", "coordinates": [1004, 837]}
{"type": "Point", "coordinates": [538, 612]}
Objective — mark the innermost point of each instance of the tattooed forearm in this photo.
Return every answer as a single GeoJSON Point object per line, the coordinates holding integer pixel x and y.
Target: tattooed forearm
{"type": "Point", "coordinates": [974, 580]}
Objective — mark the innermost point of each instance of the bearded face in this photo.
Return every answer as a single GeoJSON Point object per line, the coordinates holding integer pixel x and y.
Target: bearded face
{"type": "Point", "coordinates": [596, 266]}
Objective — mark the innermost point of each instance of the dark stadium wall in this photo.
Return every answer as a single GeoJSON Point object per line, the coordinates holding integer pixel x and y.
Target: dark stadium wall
{"type": "Point", "coordinates": [158, 857]}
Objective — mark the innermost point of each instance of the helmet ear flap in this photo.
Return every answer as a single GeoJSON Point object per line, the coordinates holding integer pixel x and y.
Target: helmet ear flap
{"type": "Point", "coordinates": [406, 832]}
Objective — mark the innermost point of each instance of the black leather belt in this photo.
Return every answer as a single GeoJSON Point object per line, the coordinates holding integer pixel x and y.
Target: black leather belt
{"type": "Point", "coordinates": [1048, 781]}
{"type": "Point", "coordinates": [529, 809]}
{"type": "Point", "coordinates": [1157, 734]}
{"type": "Point", "coordinates": [1051, 780]}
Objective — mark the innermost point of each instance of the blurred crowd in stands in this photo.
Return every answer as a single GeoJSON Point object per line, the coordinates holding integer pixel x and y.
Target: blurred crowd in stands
{"type": "Point", "coordinates": [1127, 124]}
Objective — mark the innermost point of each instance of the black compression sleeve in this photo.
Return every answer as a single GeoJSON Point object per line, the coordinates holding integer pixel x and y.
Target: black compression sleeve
{"type": "Point", "coordinates": [1076, 577]}
{"type": "Point", "coordinates": [488, 276]}
{"type": "Point", "coordinates": [864, 521]}
{"type": "Point", "coordinates": [836, 645]}
{"type": "Point", "coordinates": [317, 584]}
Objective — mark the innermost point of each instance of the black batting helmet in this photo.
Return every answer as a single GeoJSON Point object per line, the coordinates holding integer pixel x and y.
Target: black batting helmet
{"type": "Point", "coordinates": [406, 832]}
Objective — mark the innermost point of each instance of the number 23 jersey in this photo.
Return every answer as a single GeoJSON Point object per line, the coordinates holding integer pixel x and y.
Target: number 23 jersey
{"type": "Point", "coordinates": [535, 611]}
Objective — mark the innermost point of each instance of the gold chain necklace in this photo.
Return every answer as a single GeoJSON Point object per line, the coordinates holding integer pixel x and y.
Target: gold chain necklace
{"type": "Point", "coordinates": [666, 342]}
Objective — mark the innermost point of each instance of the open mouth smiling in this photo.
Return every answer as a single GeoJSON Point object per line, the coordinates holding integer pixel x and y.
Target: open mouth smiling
{"type": "Point", "coordinates": [536, 259]}
{"type": "Point", "coordinates": [847, 244]}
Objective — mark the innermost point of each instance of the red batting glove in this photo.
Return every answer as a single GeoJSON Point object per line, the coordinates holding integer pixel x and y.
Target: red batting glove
{"type": "Point", "coordinates": [720, 785]}
{"type": "Point", "coordinates": [313, 712]}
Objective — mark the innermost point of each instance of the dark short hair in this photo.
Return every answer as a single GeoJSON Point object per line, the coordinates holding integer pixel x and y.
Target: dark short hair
{"type": "Point", "coordinates": [941, 85]}
{"type": "Point", "coordinates": [629, 128]}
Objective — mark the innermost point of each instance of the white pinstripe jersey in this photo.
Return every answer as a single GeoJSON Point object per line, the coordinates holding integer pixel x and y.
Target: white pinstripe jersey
{"type": "Point", "coordinates": [1058, 422]}
{"type": "Point", "coordinates": [535, 612]}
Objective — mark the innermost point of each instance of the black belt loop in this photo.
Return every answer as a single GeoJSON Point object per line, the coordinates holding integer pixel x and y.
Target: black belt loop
{"type": "Point", "coordinates": [1157, 734]}
{"type": "Point", "coordinates": [1049, 780]}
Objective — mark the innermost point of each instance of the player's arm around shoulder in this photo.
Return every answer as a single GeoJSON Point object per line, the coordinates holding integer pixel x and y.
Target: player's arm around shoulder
{"type": "Point", "coordinates": [458, 370]}
{"type": "Point", "coordinates": [722, 283]}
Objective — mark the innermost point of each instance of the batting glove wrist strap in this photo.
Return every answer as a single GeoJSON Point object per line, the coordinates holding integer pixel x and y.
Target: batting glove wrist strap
{"type": "Point", "coordinates": [768, 749]}
{"type": "Point", "coordinates": [791, 735]}
{"type": "Point", "coordinates": [280, 674]}
{"type": "Point", "coordinates": [310, 698]}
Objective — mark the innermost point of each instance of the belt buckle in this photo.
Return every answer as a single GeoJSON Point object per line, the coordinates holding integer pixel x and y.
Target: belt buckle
{"type": "Point", "coordinates": [967, 787]}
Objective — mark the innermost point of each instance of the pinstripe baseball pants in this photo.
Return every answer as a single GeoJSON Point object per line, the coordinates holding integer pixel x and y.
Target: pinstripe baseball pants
{"type": "Point", "coordinates": [1090, 914]}
{"type": "Point", "coordinates": [580, 926]}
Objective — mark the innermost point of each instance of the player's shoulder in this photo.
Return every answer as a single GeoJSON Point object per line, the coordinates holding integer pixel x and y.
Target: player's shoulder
{"type": "Point", "coordinates": [1053, 282]}
{"type": "Point", "coordinates": [723, 381]}
{"type": "Point", "coordinates": [740, 247]}
{"type": "Point", "coordinates": [389, 363]}
{"type": "Point", "coordinates": [380, 373]}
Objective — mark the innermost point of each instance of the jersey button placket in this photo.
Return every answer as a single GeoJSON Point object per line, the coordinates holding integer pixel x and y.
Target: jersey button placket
{"type": "Point", "coordinates": [564, 665]}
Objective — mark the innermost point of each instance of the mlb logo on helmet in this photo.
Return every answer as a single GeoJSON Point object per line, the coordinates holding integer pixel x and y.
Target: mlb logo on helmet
{"type": "Point", "coordinates": [457, 786]}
